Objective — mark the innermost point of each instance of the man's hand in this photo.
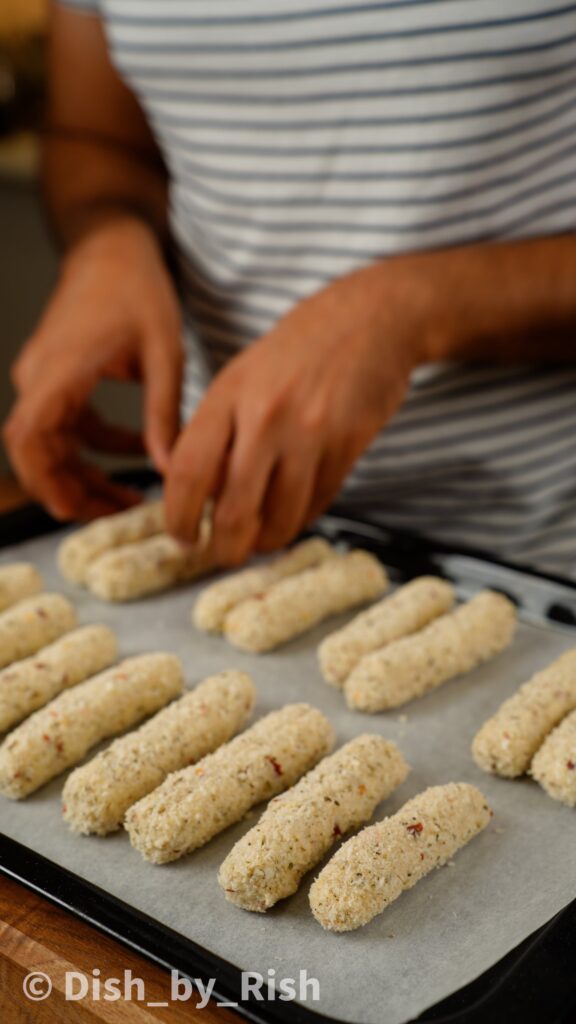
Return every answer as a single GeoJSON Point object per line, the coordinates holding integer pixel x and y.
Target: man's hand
{"type": "Point", "coordinates": [283, 423]}
{"type": "Point", "coordinates": [114, 314]}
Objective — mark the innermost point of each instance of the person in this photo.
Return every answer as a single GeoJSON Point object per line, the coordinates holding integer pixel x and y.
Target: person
{"type": "Point", "coordinates": [336, 242]}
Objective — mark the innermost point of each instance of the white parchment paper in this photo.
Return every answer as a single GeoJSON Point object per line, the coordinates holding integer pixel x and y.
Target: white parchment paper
{"type": "Point", "coordinates": [446, 931]}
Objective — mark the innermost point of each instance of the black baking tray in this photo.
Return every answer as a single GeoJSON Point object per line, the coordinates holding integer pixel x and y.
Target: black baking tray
{"type": "Point", "coordinates": [535, 982]}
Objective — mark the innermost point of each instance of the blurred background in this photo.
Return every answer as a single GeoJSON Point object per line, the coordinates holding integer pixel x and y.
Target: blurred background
{"type": "Point", "coordinates": [28, 256]}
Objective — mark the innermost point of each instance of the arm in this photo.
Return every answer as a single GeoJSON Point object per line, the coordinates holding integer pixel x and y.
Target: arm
{"type": "Point", "coordinates": [508, 302]}
{"type": "Point", "coordinates": [284, 422]}
{"type": "Point", "coordinates": [100, 161]}
{"type": "Point", "coordinates": [114, 311]}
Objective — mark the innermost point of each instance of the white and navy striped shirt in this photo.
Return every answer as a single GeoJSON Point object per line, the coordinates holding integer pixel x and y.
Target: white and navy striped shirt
{"type": "Point", "coordinates": [305, 138]}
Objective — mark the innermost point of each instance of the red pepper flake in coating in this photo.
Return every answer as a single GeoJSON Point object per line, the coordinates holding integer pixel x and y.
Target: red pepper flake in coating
{"type": "Point", "coordinates": [46, 737]}
{"type": "Point", "coordinates": [336, 831]}
{"type": "Point", "coordinates": [570, 765]}
{"type": "Point", "coordinates": [277, 767]}
{"type": "Point", "coordinates": [60, 747]}
{"type": "Point", "coordinates": [40, 612]}
{"type": "Point", "coordinates": [415, 829]}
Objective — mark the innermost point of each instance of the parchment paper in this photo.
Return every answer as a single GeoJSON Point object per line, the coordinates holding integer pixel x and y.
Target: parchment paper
{"type": "Point", "coordinates": [446, 931]}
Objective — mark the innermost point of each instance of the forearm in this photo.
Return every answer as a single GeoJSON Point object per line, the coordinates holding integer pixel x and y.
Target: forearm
{"type": "Point", "coordinates": [503, 302]}
{"type": "Point", "coordinates": [100, 160]}
{"type": "Point", "coordinates": [87, 182]}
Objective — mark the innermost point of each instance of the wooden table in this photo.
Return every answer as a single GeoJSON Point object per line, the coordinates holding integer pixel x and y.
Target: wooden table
{"type": "Point", "coordinates": [37, 936]}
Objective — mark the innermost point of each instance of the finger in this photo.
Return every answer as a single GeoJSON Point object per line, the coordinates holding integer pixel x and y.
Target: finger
{"type": "Point", "coordinates": [89, 494]}
{"type": "Point", "coordinates": [98, 495]}
{"type": "Point", "coordinates": [24, 368]}
{"type": "Point", "coordinates": [44, 455]}
{"type": "Point", "coordinates": [101, 436]}
{"type": "Point", "coordinates": [77, 490]}
{"type": "Point", "coordinates": [331, 474]}
{"type": "Point", "coordinates": [162, 372]}
{"type": "Point", "coordinates": [237, 518]}
{"type": "Point", "coordinates": [41, 353]}
{"type": "Point", "coordinates": [38, 441]}
{"type": "Point", "coordinates": [287, 501]}
{"type": "Point", "coordinates": [195, 470]}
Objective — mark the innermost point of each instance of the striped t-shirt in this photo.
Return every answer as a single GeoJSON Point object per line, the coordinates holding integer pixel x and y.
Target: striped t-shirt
{"type": "Point", "coordinates": [306, 138]}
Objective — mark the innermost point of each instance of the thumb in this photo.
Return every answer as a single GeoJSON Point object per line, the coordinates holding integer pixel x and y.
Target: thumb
{"type": "Point", "coordinates": [162, 378]}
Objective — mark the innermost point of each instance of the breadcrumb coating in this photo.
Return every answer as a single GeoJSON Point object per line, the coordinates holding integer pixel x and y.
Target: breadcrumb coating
{"type": "Point", "coordinates": [507, 742]}
{"type": "Point", "coordinates": [408, 610]}
{"type": "Point", "coordinates": [29, 684]}
{"type": "Point", "coordinates": [214, 603]}
{"type": "Point", "coordinates": [196, 803]}
{"type": "Point", "coordinates": [294, 605]}
{"type": "Point", "coordinates": [449, 646]}
{"type": "Point", "coordinates": [554, 765]}
{"type": "Point", "coordinates": [60, 734]}
{"type": "Point", "coordinates": [384, 860]}
{"type": "Point", "coordinates": [18, 580]}
{"type": "Point", "coordinates": [97, 795]}
{"type": "Point", "coordinates": [79, 549]}
{"type": "Point", "coordinates": [32, 623]}
{"type": "Point", "coordinates": [299, 826]}
{"type": "Point", "coordinates": [145, 567]}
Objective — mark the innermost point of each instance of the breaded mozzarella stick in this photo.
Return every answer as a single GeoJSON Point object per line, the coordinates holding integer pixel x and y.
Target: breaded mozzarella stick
{"type": "Point", "coordinates": [554, 765]}
{"type": "Point", "coordinates": [384, 860]}
{"type": "Point", "coordinates": [409, 609]}
{"type": "Point", "coordinates": [30, 624]}
{"type": "Point", "coordinates": [97, 795]}
{"type": "Point", "coordinates": [197, 803]}
{"type": "Point", "coordinates": [294, 605]}
{"type": "Point", "coordinates": [217, 600]}
{"type": "Point", "coordinates": [60, 734]}
{"type": "Point", "coordinates": [28, 685]}
{"type": "Point", "coordinates": [18, 580]}
{"type": "Point", "coordinates": [449, 646]}
{"type": "Point", "coordinates": [507, 742]}
{"type": "Point", "coordinates": [145, 567]}
{"type": "Point", "coordinates": [299, 827]}
{"type": "Point", "coordinates": [78, 550]}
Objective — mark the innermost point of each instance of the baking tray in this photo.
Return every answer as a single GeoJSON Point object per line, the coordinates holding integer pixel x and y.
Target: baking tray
{"type": "Point", "coordinates": [534, 980]}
